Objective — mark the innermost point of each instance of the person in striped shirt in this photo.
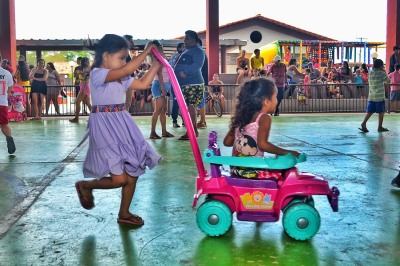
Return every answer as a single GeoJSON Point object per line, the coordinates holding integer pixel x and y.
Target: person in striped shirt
{"type": "Point", "coordinates": [376, 98]}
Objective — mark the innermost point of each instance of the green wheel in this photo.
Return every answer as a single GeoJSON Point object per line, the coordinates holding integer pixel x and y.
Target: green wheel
{"type": "Point", "coordinates": [301, 221]}
{"type": "Point", "coordinates": [295, 200]}
{"type": "Point", "coordinates": [214, 218]}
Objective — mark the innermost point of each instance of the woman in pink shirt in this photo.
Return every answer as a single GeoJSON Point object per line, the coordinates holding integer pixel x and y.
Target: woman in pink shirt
{"type": "Point", "coordinates": [395, 88]}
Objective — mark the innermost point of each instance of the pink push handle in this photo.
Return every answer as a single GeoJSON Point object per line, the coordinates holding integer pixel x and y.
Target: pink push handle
{"type": "Point", "coordinates": [185, 113]}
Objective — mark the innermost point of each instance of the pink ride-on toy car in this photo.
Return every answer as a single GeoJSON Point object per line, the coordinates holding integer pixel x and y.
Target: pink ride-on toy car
{"type": "Point", "coordinates": [257, 200]}
{"type": "Point", "coordinates": [260, 200]}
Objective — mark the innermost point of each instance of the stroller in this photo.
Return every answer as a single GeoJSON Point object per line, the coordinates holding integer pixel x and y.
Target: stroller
{"type": "Point", "coordinates": [16, 104]}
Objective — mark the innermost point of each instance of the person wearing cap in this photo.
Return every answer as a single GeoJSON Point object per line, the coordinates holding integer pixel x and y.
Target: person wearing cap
{"type": "Point", "coordinates": [278, 73]}
{"type": "Point", "coordinates": [188, 73]}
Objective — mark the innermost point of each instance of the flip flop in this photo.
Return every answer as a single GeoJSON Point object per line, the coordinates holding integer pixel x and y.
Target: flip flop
{"type": "Point", "coordinates": [131, 220]}
{"type": "Point", "coordinates": [184, 137]}
{"type": "Point", "coordinates": [154, 136]}
{"type": "Point", "coordinates": [86, 203]}
{"type": "Point", "coordinates": [383, 129]}
{"type": "Point", "coordinates": [364, 130]}
{"type": "Point", "coordinates": [167, 135]}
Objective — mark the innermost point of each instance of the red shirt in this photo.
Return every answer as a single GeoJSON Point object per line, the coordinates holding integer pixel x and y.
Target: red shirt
{"type": "Point", "coordinates": [278, 74]}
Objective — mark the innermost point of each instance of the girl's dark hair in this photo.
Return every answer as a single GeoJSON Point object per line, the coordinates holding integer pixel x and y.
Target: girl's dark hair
{"type": "Point", "coordinates": [180, 45]}
{"type": "Point", "coordinates": [292, 61]}
{"type": "Point", "coordinates": [84, 62]}
{"type": "Point", "coordinates": [378, 63]}
{"type": "Point", "coordinates": [110, 43]}
{"type": "Point", "coordinates": [23, 70]}
{"type": "Point", "coordinates": [347, 67]}
{"type": "Point", "coordinates": [51, 65]}
{"type": "Point", "coordinates": [156, 42]}
{"type": "Point", "coordinates": [250, 99]}
{"type": "Point", "coordinates": [364, 67]}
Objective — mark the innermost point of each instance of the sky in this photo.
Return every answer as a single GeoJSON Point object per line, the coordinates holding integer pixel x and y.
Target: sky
{"type": "Point", "coordinates": [347, 20]}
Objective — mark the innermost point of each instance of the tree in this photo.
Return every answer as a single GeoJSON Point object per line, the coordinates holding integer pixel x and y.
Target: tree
{"type": "Point", "coordinates": [55, 56]}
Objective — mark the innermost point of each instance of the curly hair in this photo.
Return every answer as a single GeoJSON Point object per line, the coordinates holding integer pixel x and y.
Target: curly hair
{"type": "Point", "coordinates": [250, 99]}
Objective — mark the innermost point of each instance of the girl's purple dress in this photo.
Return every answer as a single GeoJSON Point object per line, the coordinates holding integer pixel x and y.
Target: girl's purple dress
{"type": "Point", "coordinates": [115, 141]}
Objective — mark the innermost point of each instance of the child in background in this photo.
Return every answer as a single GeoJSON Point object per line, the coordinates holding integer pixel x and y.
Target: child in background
{"type": "Point", "coordinates": [333, 80]}
{"type": "Point", "coordinates": [376, 97]}
{"type": "Point", "coordinates": [364, 72]}
{"type": "Point", "coordinates": [216, 90]}
{"type": "Point", "coordinates": [140, 98]}
{"type": "Point", "coordinates": [256, 73]}
{"type": "Point", "coordinates": [303, 91]}
{"type": "Point", "coordinates": [359, 82]}
{"type": "Point", "coordinates": [160, 89]}
{"type": "Point", "coordinates": [251, 124]}
{"type": "Point", "coordinates": [6, 81]}
{"type": "Point", "coordinates": [118, 153]}
{"type": "Point", "coordinates": [84, 89]}
{"type": "Point", "coordinates": [22, 77]}
{"type": "Point", "coordinates": [395, 88]}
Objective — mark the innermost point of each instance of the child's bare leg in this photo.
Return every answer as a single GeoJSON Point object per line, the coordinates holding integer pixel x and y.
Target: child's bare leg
{"type": "Point", "coordinates": [86, 101]}
{"type": "Point", "coordinates": [380, 120]}
{"type": "Point", "coordinates": [364, 123]}
{"type": "Point", "coordinates": [127, 193]}
{"type": "Point", "coordinates": [78, 104]}
{"type": "Point", "coordinates": [163, 118]}
{"type": "Point", "coordinates": [128, 184]}
{"type": "Point", "coordinates": [103, 183]}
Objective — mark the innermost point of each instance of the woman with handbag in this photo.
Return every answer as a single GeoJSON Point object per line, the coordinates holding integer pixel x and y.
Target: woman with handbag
{"type": "Point", "coordinates": [53, 78]}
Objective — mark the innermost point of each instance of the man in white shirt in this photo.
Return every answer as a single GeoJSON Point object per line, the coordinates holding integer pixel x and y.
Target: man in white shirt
{"type": "Point", "coordinates": [6, 83]}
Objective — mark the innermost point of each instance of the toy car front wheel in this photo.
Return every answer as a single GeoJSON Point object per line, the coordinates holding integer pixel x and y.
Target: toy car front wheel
{"type": "Point", "coordinates": [214, 218]}
{"type": "Point", "coordinates": [301, 221]}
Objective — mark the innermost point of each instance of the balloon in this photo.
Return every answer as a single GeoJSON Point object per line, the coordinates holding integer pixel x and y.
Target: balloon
{"type": "Point", "coordinates": [268, 52]}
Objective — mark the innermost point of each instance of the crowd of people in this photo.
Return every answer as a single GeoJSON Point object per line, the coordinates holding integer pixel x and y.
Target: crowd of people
{"type": "Point", "coordinates": [40, 83]}
{"type": "Point", "coordinates": [333, 81]}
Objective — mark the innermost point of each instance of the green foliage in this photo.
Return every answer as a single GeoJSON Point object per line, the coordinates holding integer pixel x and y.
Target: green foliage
{"type": "Point", "coordinates": [55, 56]}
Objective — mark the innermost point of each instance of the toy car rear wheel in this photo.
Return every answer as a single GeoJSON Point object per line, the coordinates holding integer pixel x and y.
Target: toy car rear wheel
{"type": "Point", "coordinates": [214, 218]}
{"type": "Point", "coordinates": [301, 221]}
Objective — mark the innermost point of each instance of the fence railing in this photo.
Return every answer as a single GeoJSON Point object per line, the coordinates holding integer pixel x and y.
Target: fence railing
{"type": "Point", "coordinates": [321, 98]}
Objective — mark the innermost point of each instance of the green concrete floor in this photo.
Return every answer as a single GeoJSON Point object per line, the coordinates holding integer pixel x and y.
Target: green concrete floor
{"type": "Point", "coordinates": [42, 222]}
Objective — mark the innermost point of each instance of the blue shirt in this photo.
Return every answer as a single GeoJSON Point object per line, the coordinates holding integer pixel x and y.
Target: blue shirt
{"type": "Point", "coordinates": [190, 62]}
